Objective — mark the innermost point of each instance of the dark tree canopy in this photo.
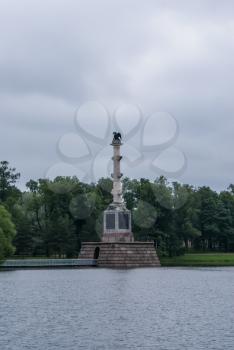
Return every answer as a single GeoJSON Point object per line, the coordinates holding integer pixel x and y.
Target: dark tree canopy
{"type": "Point", "coordinates": [52, 218]}
{"type": "Point", "coordinates": [8, 178]}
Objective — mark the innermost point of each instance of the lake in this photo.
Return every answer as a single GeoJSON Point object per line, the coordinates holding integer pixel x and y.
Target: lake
{"type": "Point", "coordinates": [151, 308]}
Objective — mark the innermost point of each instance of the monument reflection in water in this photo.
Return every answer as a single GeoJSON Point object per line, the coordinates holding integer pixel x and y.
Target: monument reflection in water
{"type": "Point", "coordinates": [117, 247]}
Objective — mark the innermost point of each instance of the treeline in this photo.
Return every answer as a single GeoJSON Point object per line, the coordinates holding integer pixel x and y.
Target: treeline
{"type": "Point", "coordinates": [52, 218]}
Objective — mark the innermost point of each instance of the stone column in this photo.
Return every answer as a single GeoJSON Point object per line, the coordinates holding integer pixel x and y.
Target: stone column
{"type": "Point", "coordinates": [117, 190]}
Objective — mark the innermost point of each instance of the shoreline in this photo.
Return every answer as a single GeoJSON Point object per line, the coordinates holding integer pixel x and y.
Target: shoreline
{"type": "Point", "coordinates": [199, 260]}
{"type": "Point", "coordinates": [186, 260]}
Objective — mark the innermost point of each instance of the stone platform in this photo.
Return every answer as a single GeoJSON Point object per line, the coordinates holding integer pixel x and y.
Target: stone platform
{"type": "Point", "coordinates": [121, 254]}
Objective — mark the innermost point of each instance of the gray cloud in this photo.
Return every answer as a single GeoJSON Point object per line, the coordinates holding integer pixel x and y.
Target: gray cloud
{"type": "Point", "coordinates": [173, 56]}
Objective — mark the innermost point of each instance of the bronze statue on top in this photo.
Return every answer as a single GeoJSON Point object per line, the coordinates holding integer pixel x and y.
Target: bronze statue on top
{"type": "Point", "coordinates": [117, 136]}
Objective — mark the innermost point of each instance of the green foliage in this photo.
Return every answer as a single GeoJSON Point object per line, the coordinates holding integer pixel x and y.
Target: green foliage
{"type": "Point", "coordinates": [52, 218]}
{"type": "Point", "coordinates": [8, 178]}
{"type": "Point", "coordinates": [7, 233]}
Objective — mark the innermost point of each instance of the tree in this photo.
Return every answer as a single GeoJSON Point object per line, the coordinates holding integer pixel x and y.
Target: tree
{"type": "Point", "coordinates": [186, 216]}
{"type": "Point", "coordinates": [226, 221]}
{"type": "Point", "coordinates": [25, 214]}
{"type": "Point", "coordinates": [7, 233]}
{"type": "Point", "coordinates": [8, 178]}
{"type": "Point", "coordinates": [209, 223]}
{"type": "Point", "coordinates": [52, 217]}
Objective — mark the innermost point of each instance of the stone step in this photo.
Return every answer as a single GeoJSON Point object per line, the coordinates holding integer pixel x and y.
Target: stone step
{"type": "Point", "coordinates": [135, 254]}
{"type": "Point", "coordinates": [129, 265]}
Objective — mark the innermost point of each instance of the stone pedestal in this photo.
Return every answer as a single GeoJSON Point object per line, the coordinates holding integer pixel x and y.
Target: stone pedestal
{"type": "Point", "coordinates": [117, 225]}
{"type": "Point", "coordinates": [121, 255]}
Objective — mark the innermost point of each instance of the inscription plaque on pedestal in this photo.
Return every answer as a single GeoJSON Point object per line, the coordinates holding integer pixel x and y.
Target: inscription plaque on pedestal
{"type": "Point", "coordinates": [123, 221]}
{"type": "Point", "coordinates": [110, 221]}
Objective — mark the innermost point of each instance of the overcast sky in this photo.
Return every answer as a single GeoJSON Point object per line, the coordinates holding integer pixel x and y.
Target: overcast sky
{"type": "Point", "coordinates": [174, 57]}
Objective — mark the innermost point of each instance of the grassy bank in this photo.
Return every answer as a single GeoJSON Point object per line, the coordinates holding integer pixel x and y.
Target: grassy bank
{"type": "Point", "coordinates": [205, 259]}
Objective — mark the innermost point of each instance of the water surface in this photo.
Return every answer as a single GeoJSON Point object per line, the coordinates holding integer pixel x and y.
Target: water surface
{"type": "Point", "coordinates": [157, 308]}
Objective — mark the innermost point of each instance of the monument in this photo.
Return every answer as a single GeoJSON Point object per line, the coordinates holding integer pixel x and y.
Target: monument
{"type": "Point", "coordinates": [117, 224]}
{"type": "Point", "coordinates": [117, 247]}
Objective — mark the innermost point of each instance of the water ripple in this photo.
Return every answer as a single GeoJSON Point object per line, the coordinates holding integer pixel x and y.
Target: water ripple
{"type": "Point", "coordinates": [164, 309]}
